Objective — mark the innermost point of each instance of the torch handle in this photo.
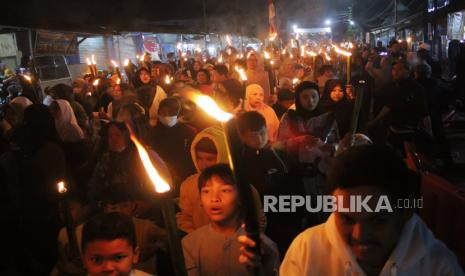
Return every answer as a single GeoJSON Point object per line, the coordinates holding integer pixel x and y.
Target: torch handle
{"type": "Point", "coordinates": [250, 215]}
{"type": "Point", "coordinates": [174, 243]}
{"type": "Point", "coordinates": [356, 111]}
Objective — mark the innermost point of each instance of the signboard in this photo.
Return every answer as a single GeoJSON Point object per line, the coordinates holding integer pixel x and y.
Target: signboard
{"type": "Point", "coordinates": [7, 45]}
{"type": "Point", "coordinates": [51, 43]}
{"type": "Point", "coordinates": [151, 45]}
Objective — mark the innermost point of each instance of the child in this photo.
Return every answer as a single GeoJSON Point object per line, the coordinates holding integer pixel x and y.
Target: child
{"type": "Point", "coordinates": [214, 249]}
{"type": "Point", "coordinates": [207, 149]}
{"type": "Point", "coordinates": [109, 246]}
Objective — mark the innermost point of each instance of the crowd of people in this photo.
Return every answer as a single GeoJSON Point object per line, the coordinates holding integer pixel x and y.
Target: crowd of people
{"type": "Point", "coordinates": [300, 133]}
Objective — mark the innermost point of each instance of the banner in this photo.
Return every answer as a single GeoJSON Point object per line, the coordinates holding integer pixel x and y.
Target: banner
{"type": "Point", "coordinates": [273, 32]}
{"type": "Point", "coordinates": [51, 43]}
{"type": "Point", "coordinates": [7, 45]}
{"type": "Point", "coordinates": [455, 25]}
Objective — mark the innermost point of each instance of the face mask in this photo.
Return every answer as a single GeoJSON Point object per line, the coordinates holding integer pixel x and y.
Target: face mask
{"type": "Point", "coordinates": [168, 121]}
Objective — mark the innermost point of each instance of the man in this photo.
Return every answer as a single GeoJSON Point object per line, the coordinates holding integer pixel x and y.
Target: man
{"type": "Point", "coordinates": [424, 55]}
{"type": "Point", "coordinates": [390, 241]}
{"type": "Point", "coordinates": [405, 103]}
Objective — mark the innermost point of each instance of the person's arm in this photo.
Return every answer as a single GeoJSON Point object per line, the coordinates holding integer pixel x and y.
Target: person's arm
{"type": "Point", "coordinates": [268, 260]}
{"type": "Point", "coordinates": [190, 258]}
{"type": "Point", "coordinates": [381, 116]}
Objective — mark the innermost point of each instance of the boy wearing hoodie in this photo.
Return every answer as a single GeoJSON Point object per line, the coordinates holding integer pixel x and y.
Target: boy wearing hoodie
{"type": "Point", "coordinates": [389, 242]}
{"type": "Point", "coordinates": [208, 148]}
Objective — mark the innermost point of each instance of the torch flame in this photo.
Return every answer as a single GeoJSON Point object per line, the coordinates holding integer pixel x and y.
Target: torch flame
{"type": "Point", "coordinates": [160, 185]}
{"type": "Point", "coordinates": [311, 53]}
{"type": "Point", "coordinates": [241, 73]}
{"type": "Point", "coordinates": [114, 63]}
{"type": "Point", "coordinates": [95, 83]}
{"type": "Point", "coordinates": [88, 61]}
{"type": "Point", "coordinates": [295, 81]}
{"type": "Point", "coordinates": [118, 81]}
{"type": "Point", "coordinates": [167, 79]}
{"type": "Point", "coordinates": [328, 58]}
{"type": "Point", "coordinates": [302, 51]}
{"type": "Point", "coordinates": [228, 40]}
{"type": "Point", "coordinates": [179, 46]}
{"type": "Point", "coordinates": [273, 36]}
{"type": "Point", "coordinates": [283, 52]}
{"type": "Point", "coordinates": [142, 57]}
{"type": "Point", "coordinates": [342, 52]}
{"type": "Point", "coordinates": [291, 56]}
{"type": "Point", "coordinates": [93, 59]}
{"type": "Point", "coordinates": [61, 187]}
{"type": "Point", "coordinates": [28, 78]}
{"type": "Point", "coordinates": [292, 43]}
{"type": "Point", "coordinates": [267, 55]}
{"type": "Point", "coordinates": [211, 108]}
{"type": "Point", "coordinates": [126, 62]}
{"type": "Point", "coordinates": [220, 59]}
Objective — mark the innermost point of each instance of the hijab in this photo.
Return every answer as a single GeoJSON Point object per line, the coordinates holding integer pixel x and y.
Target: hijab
{"type": "Point", "coordinates": [67, 126]}
{"type": "Point", "coordinates": [299, 109]}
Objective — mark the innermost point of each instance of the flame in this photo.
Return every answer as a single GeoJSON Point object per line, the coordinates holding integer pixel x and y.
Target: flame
{"type": "Point", "coordinates": [114, 63]}
{"type": "Point", "coordinates": [28, 78]}
{"type": "Point", "coordinates": [273, 36]}
{"type": "Point", "coordinates": [95, 83]}
{"type": "Point", "coordinates": [295, 81]}
{"type": "Point", "coordinates": [228, 40]}
{"type": "Point", "coordinates": [409, 39]}
{"type": "Point", "coordinates": [241, 73]}
{"type": "Point", "coordinates": [283, 52]}
{"type": "Point", "coordinates": [93, 59]}
{"type": "Point", "coordinates": [272, 62]}
{"type": "Point", "coordinates": [249, 53]}
{"type": "Point", "coordinates": [137, 57]}
{"type": "Point", "coordinates": [291, 56]}
{"type": "Point", "coordinates": [311, 53]}
{"type": "Point", "coordinates": [211, 108]}
{"type": "Point", "coordinates": [118, 81]}
{"type": "Point", "coordinates": [220, 59]}
{"type": "Point", "coordinates": [328, 58]}
{"type": "Point", "coordinates": [297, 36]}
{"type": "Point", "coordinates": [292, 43]}
{"type": "Point", "coordinates": [61, 187]}
{"type": "Point", "coordinates": [179, 46]}
{"type": "Point", "coordinates": [241, 55]}
{"type": "Point", "coordinates": [400, 40]}
{"type": "Point", "coordinates": [351, 45]}
{"type": "Point", "coordinates": [198, 50]}
{"type": "Point", "coordinates": [302, 51]}
{"type": "Point", "coordinates": [167, 79]}
{"type": "Point", "coordinates": [229, 51]}
{"type": "Point", "coordinates": [142, 57]}
{"type": "Point", "coordinates": [126, 62]}
{"type": "Point", "coordinates": [320, 51]}
{"type": "Point", "coordinates": [160, 185]}
{"type": "Point", "coordinates": [267, 55]}
{"type": "Point", "coordinates": [88, 61]}
{"type": "Point", "coordinates": [342, 52]}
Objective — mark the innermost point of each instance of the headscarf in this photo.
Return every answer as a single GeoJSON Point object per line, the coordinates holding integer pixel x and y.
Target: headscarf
{"type": "Point", "coordinates": [326, 100]}
{"type": "Point", "coordinates": [67, 126]}
{"type": "Point", "coordinates": [137, 82]}
{"type": "Point", "coordinates": [299, 110]}
{"type": "Point", "coordinates": [38, 123]}
{"type": "Point", "coordinates": [252, 88]}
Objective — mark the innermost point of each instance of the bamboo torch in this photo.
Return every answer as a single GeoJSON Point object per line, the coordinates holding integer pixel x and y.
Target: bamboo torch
{"type": "Point", "coordinates": [118, 72]}
{"type": "Point", "coordinates": [162, 188]}
{"type": "Point", "coordinates": [94, 65]}
{"type": "Point", "coordinates": [69, 223]}
{"type": "Point", "coordinates": [356, 111]}
{"type": "Point", "coordinates": [233, 147]}
{"type": "Point", "coordinates": [347, 55]}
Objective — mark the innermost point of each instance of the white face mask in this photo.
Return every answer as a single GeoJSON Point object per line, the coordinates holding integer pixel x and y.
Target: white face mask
{"type": "Point", "coordinates": [168, 121]}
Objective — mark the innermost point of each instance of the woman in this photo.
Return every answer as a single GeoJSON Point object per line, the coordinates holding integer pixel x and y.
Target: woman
{"type": "Point", "coordinates": [204, 82]}
{"type": "Point", "coordinates": [255, 97]}
{"type": "Point", "coordinates": [336, 101]}
{"type": "Point", "coordinates": [149, 94]}
{"type": "Point", "coordinates": [65, 122]}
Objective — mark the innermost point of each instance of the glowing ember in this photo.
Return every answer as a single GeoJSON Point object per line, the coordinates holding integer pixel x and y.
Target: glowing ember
{"type": "Point", "coordinates": [208, 105]}
{"type": "Point", "coordinates": [61, 187]}
{"type": "Point", "coordinates": [160, 185]}
{"type": "Point", "coordinates": [241, 73]}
